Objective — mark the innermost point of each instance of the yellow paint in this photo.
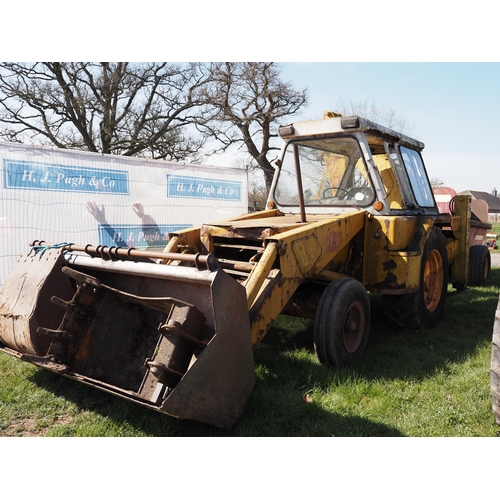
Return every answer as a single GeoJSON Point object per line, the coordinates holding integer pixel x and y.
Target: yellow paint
{"type": "Point", "coordinates": [400, 232]}
{"type": "Point", "coordinates": [393, 253]}
{"type": "Point", "coordinates": [304, 252]}
{"type": "Point", "coordinates": [335, 165]}
{"type": "Point", "coordinates": [260, 272]}
{"type": "Point", "coordinates": [389, 181]}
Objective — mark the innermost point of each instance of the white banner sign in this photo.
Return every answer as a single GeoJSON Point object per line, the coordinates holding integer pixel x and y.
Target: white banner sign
{"type": "Point", "coordinates": [61, 196]}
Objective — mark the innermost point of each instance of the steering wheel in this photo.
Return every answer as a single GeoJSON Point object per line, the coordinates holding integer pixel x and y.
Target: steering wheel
{"type": "Point", "coordinates": [332, 188]}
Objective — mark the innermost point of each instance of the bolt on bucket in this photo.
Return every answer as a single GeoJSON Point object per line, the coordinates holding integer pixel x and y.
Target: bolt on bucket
{"type": "Point", "coordinates": [173, 338]}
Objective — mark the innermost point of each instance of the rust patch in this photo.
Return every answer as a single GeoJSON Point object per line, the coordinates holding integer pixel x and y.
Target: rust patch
{"type": "Point", "coordinates": [333, 240]}
{"type": "Point", "coordinates": [390, 283]}
{"type": "Point", "coordinates": [390, 280]}
{"type": "Point", "coordinates": [389, 265]}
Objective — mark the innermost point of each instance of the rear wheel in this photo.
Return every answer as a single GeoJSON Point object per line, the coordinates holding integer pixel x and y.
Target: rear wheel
{"type": "Point", "coordinates": [479, 265]}
{"type": "Point", "coordinates": [495, 366]}
{"type": "Point", "coordinates": [342, 323]}
{"type": "Point", "coordinates": [425, 307]}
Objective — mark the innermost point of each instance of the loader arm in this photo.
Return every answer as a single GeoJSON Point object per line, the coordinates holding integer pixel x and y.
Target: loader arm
{"type": "Point", "coordinates": [302, 253]}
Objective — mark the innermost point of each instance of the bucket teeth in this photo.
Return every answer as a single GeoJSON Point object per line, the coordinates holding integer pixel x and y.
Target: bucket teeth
{"type": "Point", "coordinates": [81, 278]}
{"type": "Point", "coordinates": [174, 328]}
{"type": "Point", "coordinates": [58, 334]}
{"type": "Point", "coordinates": [71, 307]}
{"type": "Point", "coordinates": [158, 369]}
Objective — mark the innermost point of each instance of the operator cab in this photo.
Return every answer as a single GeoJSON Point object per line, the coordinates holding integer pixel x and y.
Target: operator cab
{"type": "Point", "coordinates": [333, 172]}
{"type": "Point", "coordinates": [341, 164]}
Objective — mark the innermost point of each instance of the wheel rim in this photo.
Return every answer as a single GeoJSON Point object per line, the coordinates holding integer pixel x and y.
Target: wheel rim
{"type": "Point", "coordinates": [433, 280]}
{"type": "Point", "coordinates": [354, 326]}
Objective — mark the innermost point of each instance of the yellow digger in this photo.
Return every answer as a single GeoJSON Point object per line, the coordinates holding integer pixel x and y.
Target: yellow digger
{"type": "Point", "coordinates": [350, 213]}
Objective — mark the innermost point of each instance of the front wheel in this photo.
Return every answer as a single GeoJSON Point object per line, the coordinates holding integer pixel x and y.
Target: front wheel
{"type": "Point", "coordinates": [342, 323]}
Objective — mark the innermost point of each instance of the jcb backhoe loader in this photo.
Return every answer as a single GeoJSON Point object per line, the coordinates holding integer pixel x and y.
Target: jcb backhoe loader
{"type": "Point", "coordinates": [350, 212]}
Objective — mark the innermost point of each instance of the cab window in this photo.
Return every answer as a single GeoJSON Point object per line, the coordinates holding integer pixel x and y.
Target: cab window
{"type": "Point", "coordinates": [418, 177]}
{"type": "Point", "coordinates": [333, 172]}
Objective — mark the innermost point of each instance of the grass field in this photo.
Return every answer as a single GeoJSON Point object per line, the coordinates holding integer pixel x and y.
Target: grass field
{"type": "Point", "coordinates": [427, 383]}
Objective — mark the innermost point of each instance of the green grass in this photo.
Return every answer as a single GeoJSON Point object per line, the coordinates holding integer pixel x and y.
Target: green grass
{"type": "Point", "coordinates": [427, 383]}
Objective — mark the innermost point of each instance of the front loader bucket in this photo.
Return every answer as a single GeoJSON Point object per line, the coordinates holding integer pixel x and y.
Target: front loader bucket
{"type": "Point", "coordinates": [173, 338]}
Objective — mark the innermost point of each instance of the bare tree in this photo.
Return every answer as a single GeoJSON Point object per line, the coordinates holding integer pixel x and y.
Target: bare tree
{"type": "Point", "coordinates": [436, 182]}
{"type": "Point", "coordinates": [158, 110]}
{"type": "Point", "coordinates": [388, 117]}
{"type": "Point", "coordinates": [142, 109]}
{"type": "Point", "coordinates": [257, 192]}
{"type": "Point", "coordinates": [249, 102]}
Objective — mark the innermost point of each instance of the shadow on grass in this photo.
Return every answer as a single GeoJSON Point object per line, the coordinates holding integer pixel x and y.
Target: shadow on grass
{"type": "Point", "coordinates": [273, 410]}
{"type": "Point", "coordinates": [288, 374]}
{"type": "Point", "coordinates": [397, 353]}
{"type": "Point", "coordinates": [467, 326]}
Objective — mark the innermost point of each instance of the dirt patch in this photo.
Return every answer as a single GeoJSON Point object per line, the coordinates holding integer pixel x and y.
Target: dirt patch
{"type": "Point", "coordinates": [27, 427]}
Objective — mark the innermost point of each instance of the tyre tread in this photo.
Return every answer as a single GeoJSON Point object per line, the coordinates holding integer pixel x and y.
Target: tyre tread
{"type": "Point", "coordinates": [331, 307]}
{"type": "Point", "coordinates": [479, 255]}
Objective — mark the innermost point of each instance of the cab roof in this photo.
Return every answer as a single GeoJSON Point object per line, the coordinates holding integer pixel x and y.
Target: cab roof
{"type": "Point", "coordinates": [345, 124]}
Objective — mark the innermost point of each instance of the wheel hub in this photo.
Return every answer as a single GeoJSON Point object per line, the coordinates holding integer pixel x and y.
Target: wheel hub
{"type": "Point", "coordinates": [354, 326]}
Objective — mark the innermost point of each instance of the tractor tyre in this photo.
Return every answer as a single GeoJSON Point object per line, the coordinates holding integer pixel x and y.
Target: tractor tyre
{"type": "Point", "coordinates": [479, 265]}
{"type": "Point", "coordinates": [424, 308]}
{"type": "Point", "coordinates": [495, 366]}
{"type": "Point", "coordinates": [342, 323]}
